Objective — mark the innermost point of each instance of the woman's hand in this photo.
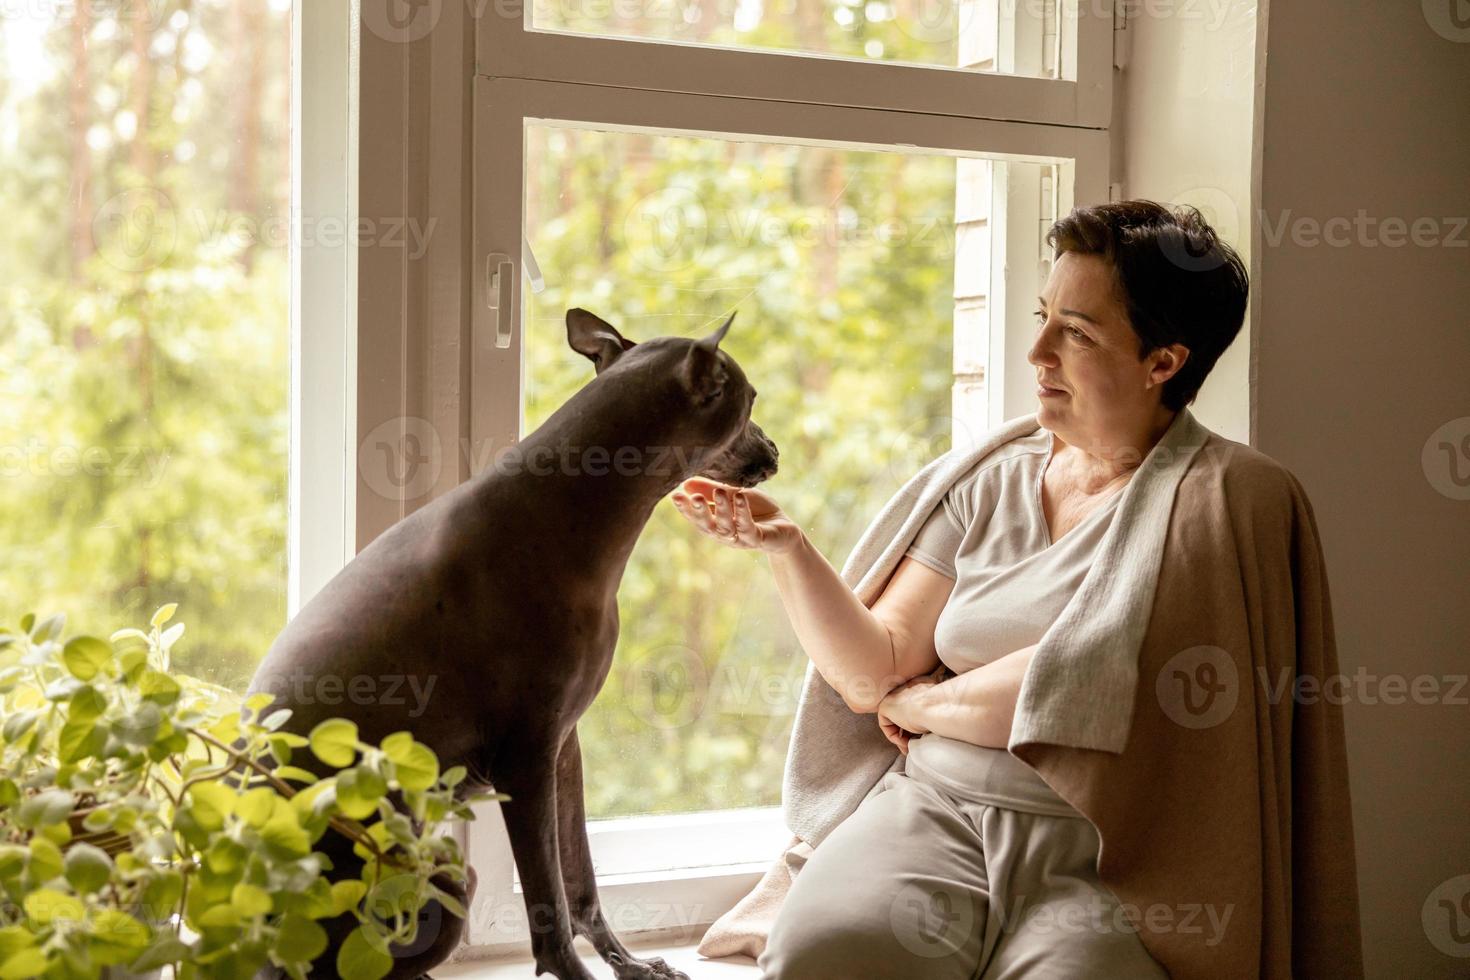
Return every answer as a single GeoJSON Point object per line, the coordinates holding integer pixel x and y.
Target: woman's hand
{"type": "Point", "coordinates": [740, 517]}
{"type": "Point", "coordinates": [900, 713]}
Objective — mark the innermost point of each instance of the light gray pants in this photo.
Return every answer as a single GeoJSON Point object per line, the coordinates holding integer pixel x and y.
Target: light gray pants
{"type": "Point", "coordinates": [918, 883]}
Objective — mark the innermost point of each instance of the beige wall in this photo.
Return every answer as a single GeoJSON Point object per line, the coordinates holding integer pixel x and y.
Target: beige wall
{"type": "Point", "coordinates": [1361, 353]}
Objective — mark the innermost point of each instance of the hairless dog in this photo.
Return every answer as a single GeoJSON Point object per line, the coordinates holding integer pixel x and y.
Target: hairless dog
{"type": "Point", "coordinates": [498, 600]}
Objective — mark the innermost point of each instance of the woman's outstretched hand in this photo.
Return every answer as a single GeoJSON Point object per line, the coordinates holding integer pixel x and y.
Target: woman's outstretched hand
{"type": "Point", "coordinates": [741, 517]}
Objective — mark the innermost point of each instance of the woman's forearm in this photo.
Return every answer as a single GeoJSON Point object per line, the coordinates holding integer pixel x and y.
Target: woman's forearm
{"type": "Point", "coordinates": [850, 647]}
{"type": "Point", "coordinates": [979, 705]}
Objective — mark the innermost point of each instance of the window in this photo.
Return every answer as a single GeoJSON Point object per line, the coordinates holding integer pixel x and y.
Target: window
{"type": "Point", "coordinates": [145, 176]}
{"type": "Point", "coordinates": [874, 214]}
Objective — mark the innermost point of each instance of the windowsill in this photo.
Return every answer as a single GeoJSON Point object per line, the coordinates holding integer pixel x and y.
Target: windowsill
{"type": "Point", "coordinates": [683, 955]}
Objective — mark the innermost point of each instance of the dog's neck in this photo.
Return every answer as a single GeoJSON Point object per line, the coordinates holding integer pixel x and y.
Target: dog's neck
{"type": "Point", "coordinates": [596, 476]}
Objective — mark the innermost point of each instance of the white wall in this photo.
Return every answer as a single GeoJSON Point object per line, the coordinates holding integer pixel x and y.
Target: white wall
{"type": "Point", "coordinates": [1182, 134]}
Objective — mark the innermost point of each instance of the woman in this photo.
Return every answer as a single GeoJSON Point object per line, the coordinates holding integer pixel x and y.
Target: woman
{"type": "Point", "coordinates": [966, 863]}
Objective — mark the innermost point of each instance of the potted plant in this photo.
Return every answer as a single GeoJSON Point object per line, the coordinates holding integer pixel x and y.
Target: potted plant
{"type": "Point", "coordinates": [153, 820]}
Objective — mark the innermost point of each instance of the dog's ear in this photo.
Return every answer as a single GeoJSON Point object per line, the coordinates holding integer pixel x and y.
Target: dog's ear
{"type": "Point", "coordinates": [701, 371]}
{"type": "Point", "coordinates": [595, 338]}
{"type": "Point", "coordinates": [713, 340]}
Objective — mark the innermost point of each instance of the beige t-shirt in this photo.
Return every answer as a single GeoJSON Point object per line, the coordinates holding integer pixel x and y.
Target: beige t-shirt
{"type": "Point", "coordinates": [1012, 581]}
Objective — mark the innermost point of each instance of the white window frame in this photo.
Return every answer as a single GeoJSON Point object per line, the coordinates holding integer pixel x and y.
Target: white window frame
{"type": "Point", "coordinates": [321, 513]}
{"type": "Point", "coordinates": [670, 88]}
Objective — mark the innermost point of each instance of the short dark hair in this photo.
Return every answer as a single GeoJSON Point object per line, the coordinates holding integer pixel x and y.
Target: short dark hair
{"type": "Point", "coordinates": [1178, 282]}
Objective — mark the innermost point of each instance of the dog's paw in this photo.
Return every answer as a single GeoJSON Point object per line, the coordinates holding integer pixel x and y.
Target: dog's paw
{"type": "Point", "coordinates": [653, 968]}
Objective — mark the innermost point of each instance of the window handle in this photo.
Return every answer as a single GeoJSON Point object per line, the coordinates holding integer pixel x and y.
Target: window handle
{"type": "Point", "coordinates": [500, 295]}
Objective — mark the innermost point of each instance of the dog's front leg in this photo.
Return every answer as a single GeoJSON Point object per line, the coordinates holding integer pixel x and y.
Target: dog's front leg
{"type": "Point", "coordinates": [530, 822]}
{"type": "Point", "coordinates": [581, 882]}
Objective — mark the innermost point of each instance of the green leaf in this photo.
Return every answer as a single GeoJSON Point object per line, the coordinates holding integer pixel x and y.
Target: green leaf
{"type": "Point", "coordinates": [26, 622]}
{"type": "Point", "coordinates": [346, 895]}
{"type": "Point", "coordinates": [161, 895]}
{"type": "Point", "coordinates": [84, 656]}
{"type": "Point", "coordinates": [47, 905]}
{"type": "Point", "coordinates": [24, 965]}
{"type": "Point", "coordinates": [158, 686]}
{"type": "Point", "coordinates": [220, 915]}
{"type": "Point", "coordinates": [226, 729]}
{"type": "Point", "coordinates": [81, 739]}
{"type": "Point", "coordinates": [57, 833]}
{"type": "Point", "coordinates": [451, 904]}
{"type": "Point", "coordinates": [9, 792]}
{"type": "Point", "coordinates": [46, 807]}
{"type": "Point", "coordinates": [284, 833]}
{"type": "Point", "coordinates": [258, 701]}
{"type": "Point", "coordinates": [141, 726]}
{"type": "Point", "coordinates": [86, 702]}
{"type": "Point", "coordinates": [299, 939]}
{"type": "Point", "coordinates": [88, 868]}
{"type": "Point", "coordinates": [171, 635]}
{"type": "Point", "coordinates": [13, 939]}
{"type": "Point", "coordinates": [127, 633]}
{"type": "Point", "coordinates": [453, 776]}
{"type": "Point", "coordinates": [414, 764]}
{"type": "Point", "coordinates": [353, 798]}
{"type": "Point", "coordinates": [212, 803]}
{"type": "Point", "coordinates": [255, 806]}
{"type": "Point", "coordinates": [99, 819]}
{"type": "Point", "coordinates": [358, 960]}
{"type": "Point", "coordinates": [334, 741]}
{"type": "Point", "coordinates": [250, 900]}
{"type": "Point", "coordinates": [394, 895]}
{"type": "Point", "coordinates": [17, 724]}
{"type": "Point", "coordinates": [225, 855]}
{"type": "Point", "coordinates": [117, 928]}
{"type": "Point", "coordinates": [45, 861]}
{"type": "Point", "coordinates": [47, 628]}
{"type": "Point", "coordinates": [165, 950]}
{"type": "Point", "coordinates": [295, 773]}
{"type": "Point", "coordinates": [164, 614]}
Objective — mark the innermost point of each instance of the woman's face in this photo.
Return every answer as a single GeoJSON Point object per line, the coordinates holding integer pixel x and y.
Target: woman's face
{"type": "Point", "coordinates": [1093, 389]}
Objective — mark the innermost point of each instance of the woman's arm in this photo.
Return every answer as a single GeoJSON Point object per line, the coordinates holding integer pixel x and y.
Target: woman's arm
{"type": "Point", "coordinates": [862, 652]}
{"type": "Point", "coordinates": [852, 648]}
{"type": "Point", "coordinates": [977, 706]}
